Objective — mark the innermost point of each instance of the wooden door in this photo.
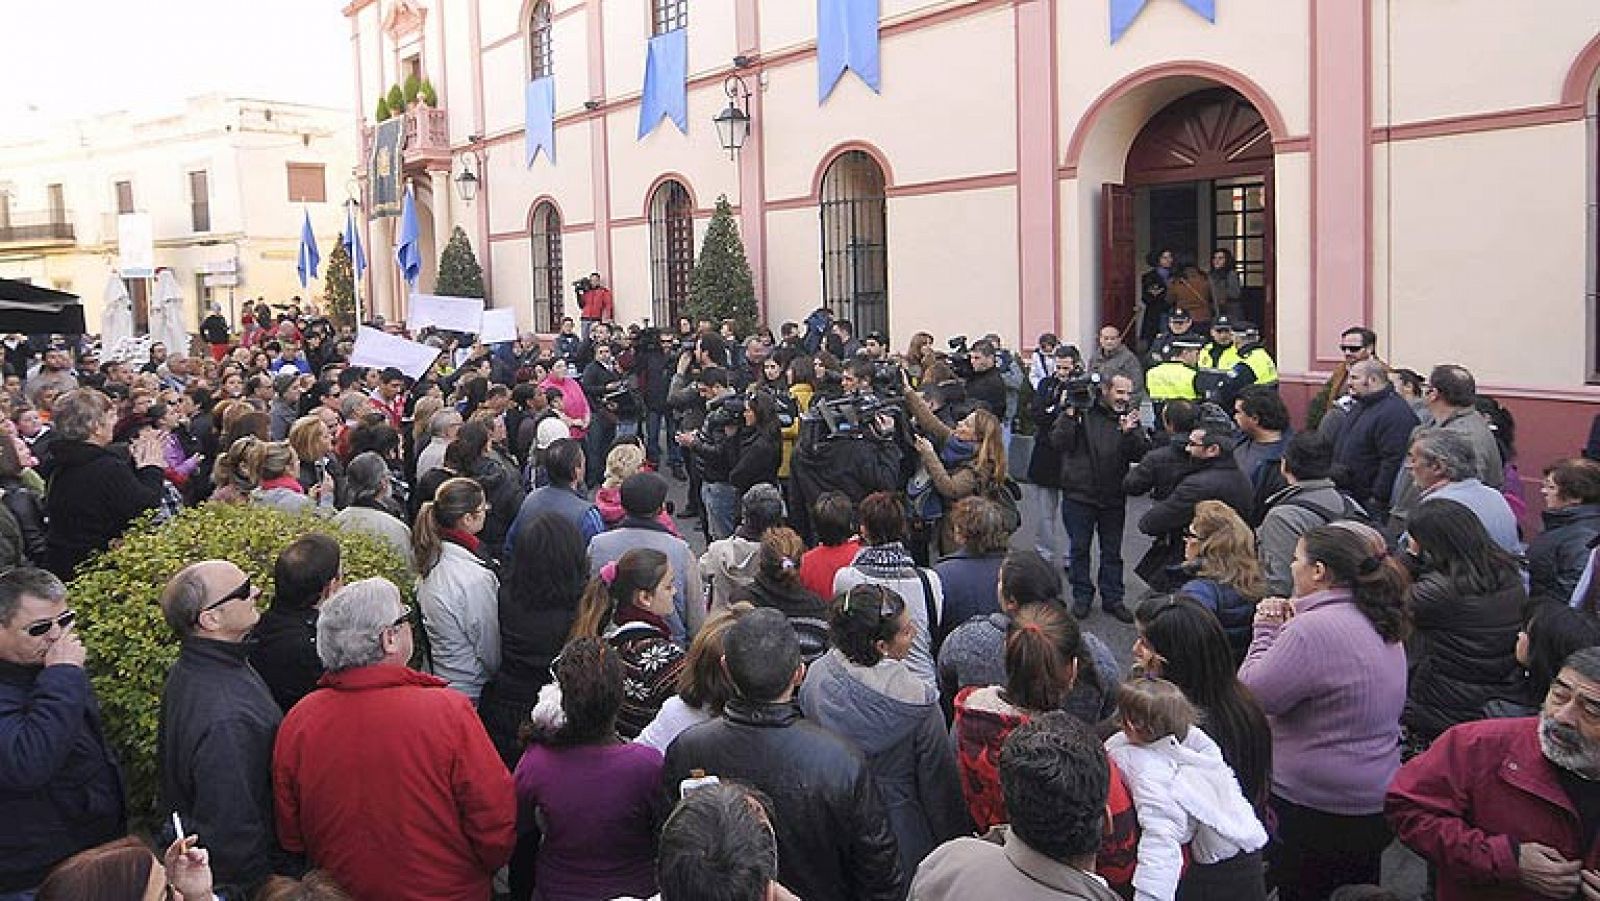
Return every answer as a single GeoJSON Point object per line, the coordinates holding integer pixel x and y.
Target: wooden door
{"type": "Point", "coordinates": [1119, 284]}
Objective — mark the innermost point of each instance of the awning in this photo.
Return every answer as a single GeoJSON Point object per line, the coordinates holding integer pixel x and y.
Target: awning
{"type": "Point", "coordinates": [33, 310]}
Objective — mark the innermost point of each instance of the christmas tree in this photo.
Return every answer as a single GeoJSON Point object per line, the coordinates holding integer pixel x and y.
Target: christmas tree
{"type": "Point", "coordinates": [721, 286]}
{"type": "Point", "coordinates": [339, 283]}
{"type": "Point", "coordinates": [459, 272]}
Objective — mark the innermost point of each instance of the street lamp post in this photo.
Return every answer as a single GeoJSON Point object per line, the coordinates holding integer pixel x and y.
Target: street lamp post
{"type": "Point", "coordinates": [733, 123]}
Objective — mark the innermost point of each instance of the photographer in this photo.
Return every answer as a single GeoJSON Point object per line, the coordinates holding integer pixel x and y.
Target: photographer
{"type": "Point", "coordinates": [987, 384]}
{"type": "Point", "coordinates": [849, 444]}
{"type": "Point", "coordinates": [714, 451]}
{"type": "Point", "coordinates": [594, 301]}
{"type": "Point", "coordinates": [1042, 490]}
{"type": "Point", "coordinates": [611, 403]}
{"type": "Point", "coordinates": [965, 461]}
{"type": "Point", "coordinates": [1099, 438]}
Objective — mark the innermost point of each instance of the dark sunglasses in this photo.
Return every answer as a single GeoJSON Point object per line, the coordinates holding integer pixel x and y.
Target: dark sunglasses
{"type": "Point", "coordinates": [1351, 348]}
{"type": "Point", "coordinates": [42, 628]}
{"type": "Point", "coordinates": [243, 592]}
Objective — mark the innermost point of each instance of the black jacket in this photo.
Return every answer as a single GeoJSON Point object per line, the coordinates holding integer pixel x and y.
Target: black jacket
{"type": "Point", "coordinates": [214, 748]}
{"type": "Point", "coordinates": [1096, 454]}
{"type": "Point", "coordinates": [530, 640]}
{"type": "Point", "coordinates": [27, 508]}
{"type": "Point", "coordinates": [759, 456]}
{"type": "Point", "coordinates": [1044, 465]}
{"type": "Point", "coordinates": [1217, 479]}
{"type": "Point", "coordinates": [1462, 652]}
{"type": "Point", "coordinates": [501, 489]}
{"type": "Point", "coordinates": [284, 652]}
{"type": "Point", "coordinates": [1371, 446]}
{"type": "Point", "coordinates": [834, 840]}
{"type": "Point", "coordinates": [60, 786]}
{"type": "Point", "coordinates": [989, 388]}
{"type": "Point", "coordinates": [94, 493]}
{"type": "Point", "coordinates": [1161, 470]}
{"type": "Point", "coordinates": [1557, 557]}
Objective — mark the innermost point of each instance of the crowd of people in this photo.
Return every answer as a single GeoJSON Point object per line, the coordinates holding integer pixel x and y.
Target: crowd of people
{"type": "Point", "coordinates": [867, 685]}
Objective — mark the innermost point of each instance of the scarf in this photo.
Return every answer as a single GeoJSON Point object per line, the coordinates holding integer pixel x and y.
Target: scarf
{"type": "Point", "coordinates": [633, 613]}
{"type": "Point", "coordinates": [886, 561]}
{"type": "Point", "coordinates": [956, 452]}
{"type": "Point", "coordinates": [285, 481]}
{"type": "Point", "coordinates": [465, 539]}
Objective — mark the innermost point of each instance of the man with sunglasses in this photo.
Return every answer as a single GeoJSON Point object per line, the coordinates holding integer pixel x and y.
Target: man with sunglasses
{"type": "Point", "coordinates": [218, 723]}
{"type": "Point", "coordinates": [1356, 343]}
{"type": "Point", "coordinates": [60, 787]}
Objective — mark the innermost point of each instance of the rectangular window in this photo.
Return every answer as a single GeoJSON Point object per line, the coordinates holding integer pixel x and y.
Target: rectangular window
{"type": "Point", "coordinates": [307, 183]}
{"type": "Point", "coordinates": [200, 201]}
{"type": "Point", "coordinates": [124, 196]}
{"type": "Point", "coordinates": [1240, 225]}
{"type": "Point", "coordinates": [670, 15]}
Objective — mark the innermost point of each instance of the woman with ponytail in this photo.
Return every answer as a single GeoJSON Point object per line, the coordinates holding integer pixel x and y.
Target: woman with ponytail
{"type": "Point", "coordinates": [585, 798]}
{"type": "Point", "coordinates": [457, 593]}
{"type": "Point", "coordinates": [1043, 663]}
{"type": "Point", "coordinates": [627, 604]}
{"type": "Point", "coordinates": [777, 585]}
{"type": "Point", "coordinates": [862, 691]}
{"type": "Point", "coordinates": [274, 467]}
{"type": "Point", "coordinates": [1329, 669]}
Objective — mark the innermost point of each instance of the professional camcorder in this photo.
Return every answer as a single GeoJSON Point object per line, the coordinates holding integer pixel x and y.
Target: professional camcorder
{"type": "Point", "coordinates": [1080, 390]}
{"type": "Point", "coordinates": [724, 411]}
{"type": "Point", "coordinates": [853, 416]}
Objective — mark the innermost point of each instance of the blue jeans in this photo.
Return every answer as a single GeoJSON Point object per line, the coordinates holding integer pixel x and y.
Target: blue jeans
{"type": "Point", "coordinates": [654, 424]}
{"type": "Point", "coordinates": [721, 500]}
{"type": "Point", "coordinates": [17, 896]}
{"type": "Point", "coordinates": [1083, 522]}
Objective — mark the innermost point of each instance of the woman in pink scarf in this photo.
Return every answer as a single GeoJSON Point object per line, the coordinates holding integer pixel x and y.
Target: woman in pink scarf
{"type": "Point", "coordinates": [574, 405]}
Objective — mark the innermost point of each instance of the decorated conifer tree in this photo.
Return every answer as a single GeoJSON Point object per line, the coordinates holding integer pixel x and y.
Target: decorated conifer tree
{"type": "Point", "coordinates": [339, 285]}
{"type": "Point", "coordinates": [721, 286]}
{"type": "Point", "coordinates": [459, 272]}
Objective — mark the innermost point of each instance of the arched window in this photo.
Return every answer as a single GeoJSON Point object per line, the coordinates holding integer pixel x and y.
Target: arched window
{"type": "Point", "coordinates": [855, 259]}
{"type": "Point", "coordinates": [549, 285]}
{"type": "Point", "coordinates": [671, 250]}
{"type": "Point", "coordinates": [540, 60]}
{"type": "Point", "coordinates": [668, 15]}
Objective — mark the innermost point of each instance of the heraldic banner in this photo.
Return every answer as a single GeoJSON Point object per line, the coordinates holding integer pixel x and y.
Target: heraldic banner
{"type": "Point", "coordinates": [387, 145]}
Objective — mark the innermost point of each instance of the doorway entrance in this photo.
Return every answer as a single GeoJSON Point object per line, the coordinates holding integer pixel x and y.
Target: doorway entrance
{"type": "Point", "coordinates": [1198, 178]}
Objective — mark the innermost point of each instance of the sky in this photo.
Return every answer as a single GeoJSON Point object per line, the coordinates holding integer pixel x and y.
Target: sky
{"type": "Point", "coordinates": [66, 59]}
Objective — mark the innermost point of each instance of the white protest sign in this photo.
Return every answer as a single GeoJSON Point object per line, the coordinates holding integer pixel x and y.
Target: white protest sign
{"type": "Point", "coordinates": [498, 326]}
{"type": "Point", "coordinates": [378, 350]}
{"type": "Point", "coordinates": [455, 314]}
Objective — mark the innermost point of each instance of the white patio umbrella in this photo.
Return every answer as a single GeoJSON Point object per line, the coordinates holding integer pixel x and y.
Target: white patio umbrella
{"type": "Point", "coordinates": [169, 327]}
{"type": "Point", "coordinates": [116, 314]}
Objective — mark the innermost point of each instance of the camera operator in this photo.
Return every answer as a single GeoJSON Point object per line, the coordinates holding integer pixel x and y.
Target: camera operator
{"type": "Point", "coordinates": [606, 388]}
{"type": "Point", "coordinates": [986, 385]}
{"type": "Point", "coordinates": [567, 341]}
{"type": "Point", "coordinates": [594, 301]}
{"type": "Point", "coordinates": [1099, 437]}
{"type": "Point", "coordinates": [714, 450]}
{"type": "Point", "coordinates": [1042, 490]}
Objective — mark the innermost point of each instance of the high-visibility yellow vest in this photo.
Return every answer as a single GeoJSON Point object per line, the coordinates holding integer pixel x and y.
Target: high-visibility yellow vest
{"type": "Point", "coordinates": [1171, 381]}
{"type": "Point", "coordinates": [1211, 359]}
{"type": "Point", "coordinates": [1260, 363]}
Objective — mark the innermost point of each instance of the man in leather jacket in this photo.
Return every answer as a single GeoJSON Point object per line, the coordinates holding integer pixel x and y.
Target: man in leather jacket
{"type": "Point", "coordinates": [834, 840]}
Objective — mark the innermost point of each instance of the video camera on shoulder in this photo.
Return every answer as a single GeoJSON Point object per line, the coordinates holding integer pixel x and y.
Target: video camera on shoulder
{"type": "Point", "coordinates": [582, 286]}
{"type": "Point", "coordinates": [722, 412]}
{"type": "Point", "coordinates": [959, 357]}
{"type": "Point", "coordinates": [853, 416]}
{"type": "Point", "coordinates": [1080, 389]}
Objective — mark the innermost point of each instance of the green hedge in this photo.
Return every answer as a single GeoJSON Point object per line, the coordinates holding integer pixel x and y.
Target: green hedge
{"type": "Point", "coordinates": [116, 596]}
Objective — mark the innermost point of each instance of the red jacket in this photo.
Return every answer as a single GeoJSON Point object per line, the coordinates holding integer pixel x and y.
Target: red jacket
{"type": "Point", "coordinates": [386, 778]}
{"type": "Point", "coordinates": [597, 304]}
{"type": "Point", "coordinates": [1471, 799]}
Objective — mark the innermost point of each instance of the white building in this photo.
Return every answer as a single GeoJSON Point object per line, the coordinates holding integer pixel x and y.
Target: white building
{"type": "Point", "coordinates": [223, 180]}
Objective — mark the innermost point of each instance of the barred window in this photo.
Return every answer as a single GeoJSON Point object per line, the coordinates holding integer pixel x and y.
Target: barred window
{"type": "Point", "coordinates": [669, 15]}
{"type": "Point", "coordinates": [855, 261]}
{"type": "Point", "coordinates": [671, 251]}
{"type": "Point", "coordinates": [549, 285]}
{"type": "Point", "coordinates": [541, 62]}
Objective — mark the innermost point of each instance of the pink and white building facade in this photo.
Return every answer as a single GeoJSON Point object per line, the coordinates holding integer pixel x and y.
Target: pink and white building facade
{"type": "Point", "coordinates": [1427, 170]}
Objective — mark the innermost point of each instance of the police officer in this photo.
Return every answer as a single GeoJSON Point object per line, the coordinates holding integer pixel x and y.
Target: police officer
{"type": "Point", "coordinates": [1252, 365]}
{"type": "Point", "coordinates": [1175, 379]}
{"type": "Point", "coordinates": [1178, 324]}
{"type": "Point", "coordinates": [1222, 351]}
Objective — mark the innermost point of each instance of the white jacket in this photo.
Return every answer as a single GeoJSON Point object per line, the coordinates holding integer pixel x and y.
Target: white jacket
{"type": "Point", "coordinates": [461, 611]}
{"type": "Point", "coordinates": [1184, 794]}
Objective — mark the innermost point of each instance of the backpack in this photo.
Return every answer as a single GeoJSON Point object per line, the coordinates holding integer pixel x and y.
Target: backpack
{"type": "Point", "coordinates": [1352, 511]}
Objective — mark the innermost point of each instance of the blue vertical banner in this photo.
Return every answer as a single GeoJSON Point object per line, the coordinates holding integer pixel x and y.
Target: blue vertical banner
{"type": "Point", "coordinates": [308, 258]}
{"type": "Point", "coordinates": [539, 121]}
{"type": "Point", "coordinates": [847, 38]}
{"type": "Point", "coordinates": [1123, 12]}
{"type": "Point", "coordinates": [666, 82]}
{"type": "Point", "coordinates": [407, 252]}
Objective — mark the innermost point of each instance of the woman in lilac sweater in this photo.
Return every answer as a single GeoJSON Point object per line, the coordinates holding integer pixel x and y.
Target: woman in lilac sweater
{"type": "Point", "coordinates": [1329, 668]}
{"type": "Point", "coordinates": [585, 798]}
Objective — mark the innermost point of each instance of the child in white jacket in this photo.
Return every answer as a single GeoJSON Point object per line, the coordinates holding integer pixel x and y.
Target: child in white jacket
{"type": "Point", "coordinates": [1184, 794]}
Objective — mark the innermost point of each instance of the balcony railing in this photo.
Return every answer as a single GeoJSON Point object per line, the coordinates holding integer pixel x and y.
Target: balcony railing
{"type": "Point", "coordinates": [35, 226]}
{"type": "Point", "coordinates": [427, 136]}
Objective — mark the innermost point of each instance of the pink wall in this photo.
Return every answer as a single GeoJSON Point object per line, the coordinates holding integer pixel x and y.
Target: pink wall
{"type": "Point", "coordinates": [1341, 172]}
{"type": "Point", "coordinates": [1038, 206]}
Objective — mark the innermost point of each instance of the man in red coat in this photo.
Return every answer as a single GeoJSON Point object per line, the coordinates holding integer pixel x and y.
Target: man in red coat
{"type": "Point", "coordinates": [383, 776]}
{"type": "Point", "coordinates": [1509, 808]}
{"type": "Point", "coordinates": [597, 303]}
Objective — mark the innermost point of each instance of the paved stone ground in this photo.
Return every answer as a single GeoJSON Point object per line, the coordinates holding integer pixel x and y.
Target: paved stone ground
{"type": "Point", "coordinates": [1403, 872]}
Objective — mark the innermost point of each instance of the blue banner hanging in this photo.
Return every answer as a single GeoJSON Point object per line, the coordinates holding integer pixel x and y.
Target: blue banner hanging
{"type": "Point", "coordinates": [408, 250]}
{"type": "Point", "coordinates": [847, 38]}
{"type": "Point", "coordinates": [388, 148]}
{"type": "Point", "coordinates": [1123, 12]}
{"type": "Point", "coordinates": [539, 98]}
{"type": "Point", "coordinates": [666, 82]}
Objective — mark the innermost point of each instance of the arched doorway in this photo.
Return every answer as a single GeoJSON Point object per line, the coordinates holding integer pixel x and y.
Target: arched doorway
{"type": "Point", "coordinates": [1198, 177]}
{"type": "Point", "coordinates": [671, 250]}
{"type": "Point", "coordinates": [549, 283]}
{"type": "Point", "coordinates": [855, 264]}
